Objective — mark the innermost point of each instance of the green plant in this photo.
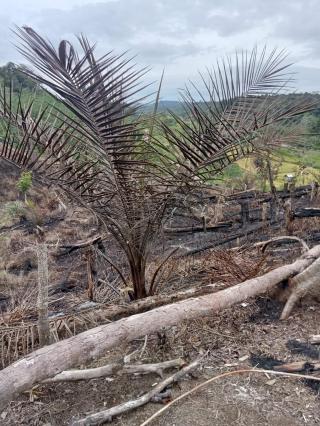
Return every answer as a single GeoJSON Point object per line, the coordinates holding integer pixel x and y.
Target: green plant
{"type": "Point", "coordinates": [15, 209]}
{"type": "Point", "coordinates": [25, 182]}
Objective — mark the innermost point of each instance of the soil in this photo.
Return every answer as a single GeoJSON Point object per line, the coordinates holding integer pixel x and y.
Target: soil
{"type": "Point", "coordinates": [245, 336]}
{"type": "Point", "coordinates": [249, 335]}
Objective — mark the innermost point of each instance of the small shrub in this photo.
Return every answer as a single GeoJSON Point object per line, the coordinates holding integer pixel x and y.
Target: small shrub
{"type": "Point", "coordinates": [25, 182]}
{"type": "Point", "coordinates": [14, 209]}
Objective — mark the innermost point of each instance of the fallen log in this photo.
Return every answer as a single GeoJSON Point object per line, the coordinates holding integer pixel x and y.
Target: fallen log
{"type": "Point", "coordinates": [20, 339]}
{"type": "Point", "coordinates": [115, 312]}
{"type": "Point", "coordinates": [94, 343]}
{"type": "Point", "coordinates": [306, 212]}
{"type": "Point", "coordinates": [107, 415]}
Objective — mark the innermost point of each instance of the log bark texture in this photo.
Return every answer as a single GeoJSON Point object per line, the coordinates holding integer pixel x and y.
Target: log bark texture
{"type": "Point", "coordinates": [303, 284]}
{"type": "Point", "coordinates": [94, 343]}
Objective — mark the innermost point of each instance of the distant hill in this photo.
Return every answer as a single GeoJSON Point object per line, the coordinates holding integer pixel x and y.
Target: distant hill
{"type": "Point", "coordinates": [13, 74]}
{"type": "Point", "coordinates": [177, 106]}
{"type": "Point", "coordinates": [165, 106]}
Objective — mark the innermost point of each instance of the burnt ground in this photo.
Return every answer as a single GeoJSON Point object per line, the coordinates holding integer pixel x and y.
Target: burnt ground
{"type": "Point", "coordinates": [241, 337]}
{"type": "Point", "coordinates": [244, 336]}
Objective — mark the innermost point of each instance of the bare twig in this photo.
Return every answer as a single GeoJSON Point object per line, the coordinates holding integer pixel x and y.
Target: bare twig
{"type": "Point", "coordinates": [220, 376]}
{"type": "Point", "coordinates": [285, 238]}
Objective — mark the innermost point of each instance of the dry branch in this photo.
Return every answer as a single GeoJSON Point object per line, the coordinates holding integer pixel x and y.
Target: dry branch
{"type": "Point", "coordinates": [298, 366]}
{"type": "Point", "coordinates": [315, 339]}
{"type": "Point", "coordinates": [303, 284]}
{"type": "Point", "coordinates": [283, 240]}
{"type": "Point", "coordinates": [307, 212]}
{"type": "Point", "coordinates": [244, 233]}
{"type": "Point", "coordinates": [111, 369]}
{"type": "Point", "coordinates": [69, 248]}
{"type": "Point", "coordinates": [92, 344]}
{"type": "Point", "coordinates": [193, 229]}
{"type": "Point", "coordinates": [107, 415]}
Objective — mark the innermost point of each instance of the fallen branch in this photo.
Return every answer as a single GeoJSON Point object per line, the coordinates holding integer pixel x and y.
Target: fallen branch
{"type": "Point", "coordinates": [194, 229]}
{"type": "Point", "coordinates": [282, 240]}
{"type": "Point", "coordinates": [69, 248]}
{"type": "Point", "coordinates": [243, 233]}
{"type": "Point", "coordinates": [315, 339]}
{"type": "Point", "coordinates": [229, 373]}
{"type": "Point", "coordinates": [92, 344]}
{"type": "Point", "coordinates": [111, 369]}
{"type": "Point", "coordinates": [307, 212]}
{"type": "Point", "coordinates": [302, 285]}
{"type": "Point", "coordinates": [298, 366]}
{"type": "Point", "coordinates": [107, 415]}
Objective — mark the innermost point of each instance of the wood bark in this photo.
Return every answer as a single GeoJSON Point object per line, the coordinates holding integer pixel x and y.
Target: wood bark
{"type": "Point", "coordinates": [303, 284]}
{"type": "Point", "coordinates": [94, 343]}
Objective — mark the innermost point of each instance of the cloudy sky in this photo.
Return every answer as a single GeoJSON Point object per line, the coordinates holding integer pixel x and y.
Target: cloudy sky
{"type": "Point", "coordinates": [184, 36]}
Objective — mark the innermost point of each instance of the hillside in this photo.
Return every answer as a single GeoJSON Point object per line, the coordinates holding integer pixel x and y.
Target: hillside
{"type": "Point", "coordinates": [244, 336]}
{"type": "Point", "coordinates": [120, 263]}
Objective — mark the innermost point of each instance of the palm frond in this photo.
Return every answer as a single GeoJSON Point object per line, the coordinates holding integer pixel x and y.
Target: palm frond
{"type": "Point", "coordinates": [101, 92]}
{"type": "Point", "coordinates": [221, 123]}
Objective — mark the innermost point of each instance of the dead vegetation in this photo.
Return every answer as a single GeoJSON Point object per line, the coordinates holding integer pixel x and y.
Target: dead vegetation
{"type": "Point", "coordinates": [142, 268]}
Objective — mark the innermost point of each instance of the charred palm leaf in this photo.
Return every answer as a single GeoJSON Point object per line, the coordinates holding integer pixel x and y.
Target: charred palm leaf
{"type": "Point", "coordinates": [222, 123]}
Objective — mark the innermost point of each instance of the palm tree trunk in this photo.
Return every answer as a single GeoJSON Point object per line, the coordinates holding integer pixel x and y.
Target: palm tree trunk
{"type": "Point", "coordinates": [138, 275]}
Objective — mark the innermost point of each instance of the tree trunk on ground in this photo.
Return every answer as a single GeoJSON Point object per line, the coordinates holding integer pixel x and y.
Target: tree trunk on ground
{"type": "Point", "coordinates": [94, 343]}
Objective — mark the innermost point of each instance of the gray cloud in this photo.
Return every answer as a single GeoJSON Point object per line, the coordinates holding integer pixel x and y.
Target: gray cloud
{"type": "Point", "coordinates": [182, 35]}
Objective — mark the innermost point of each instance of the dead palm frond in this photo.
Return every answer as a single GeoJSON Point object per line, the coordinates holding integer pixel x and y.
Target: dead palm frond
{"type": "Point", "coordinates": [223, 122]}
{"type": "Point", "coordinates": [92, 142]}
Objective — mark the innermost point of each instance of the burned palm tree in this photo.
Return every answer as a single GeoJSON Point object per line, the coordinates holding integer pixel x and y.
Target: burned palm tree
{"type": "Point", "coordinates": [92, 142]}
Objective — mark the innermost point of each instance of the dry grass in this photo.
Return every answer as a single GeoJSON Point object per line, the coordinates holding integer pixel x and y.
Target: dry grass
{"type": "Point", "coordinates": [217, 266]}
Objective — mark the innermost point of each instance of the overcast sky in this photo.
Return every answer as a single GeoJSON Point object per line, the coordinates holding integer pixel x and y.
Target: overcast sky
{"type": "Point", "coordinates": [184, 36]}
